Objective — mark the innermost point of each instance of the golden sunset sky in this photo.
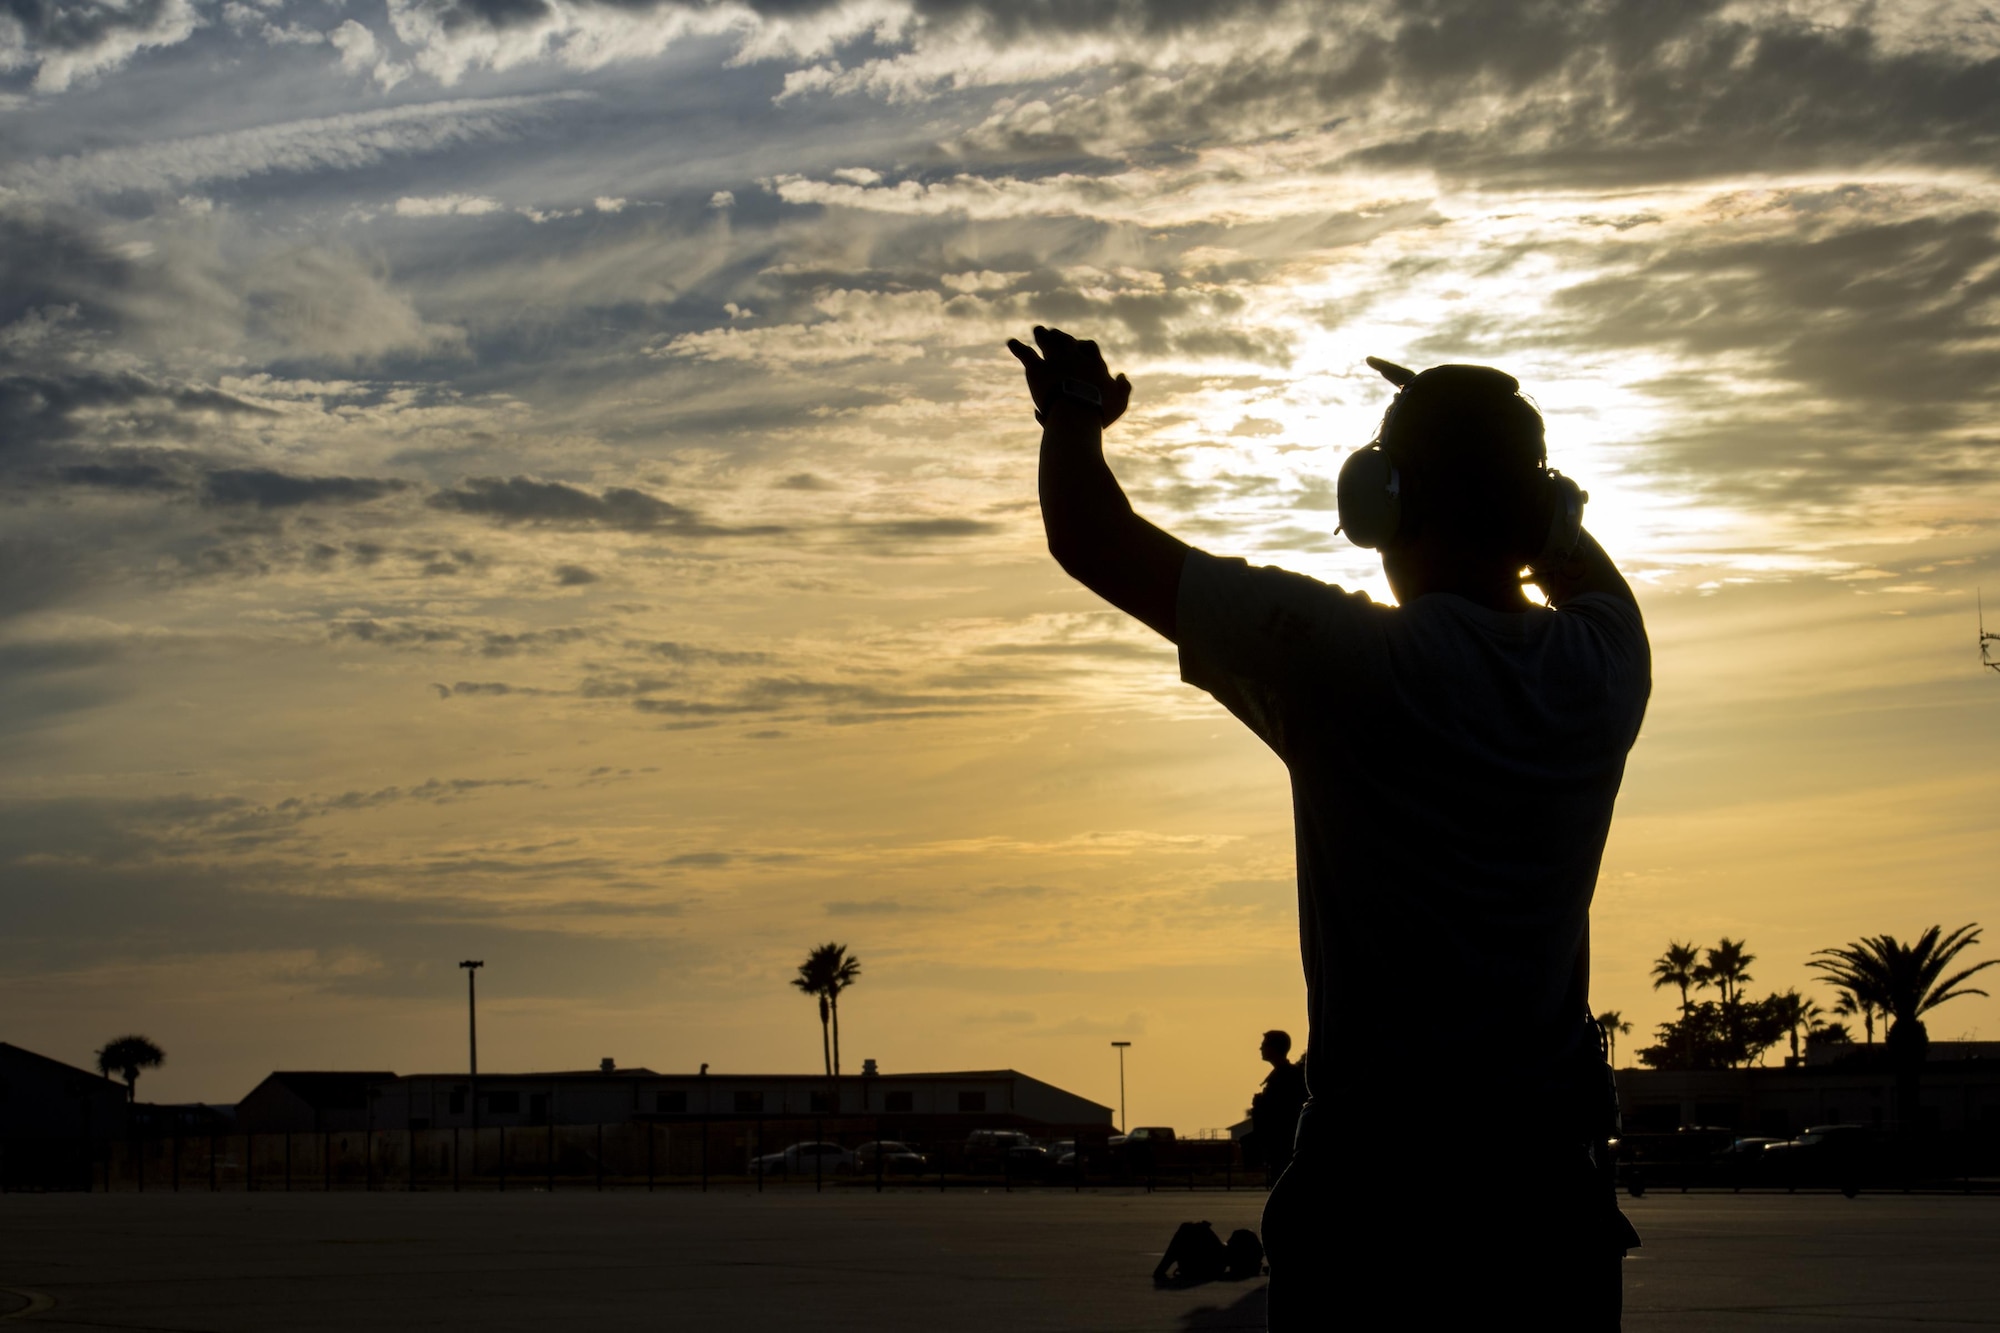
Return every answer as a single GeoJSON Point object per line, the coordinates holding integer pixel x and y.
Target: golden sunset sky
{"type": "Point", "coordinates": [540, 480]}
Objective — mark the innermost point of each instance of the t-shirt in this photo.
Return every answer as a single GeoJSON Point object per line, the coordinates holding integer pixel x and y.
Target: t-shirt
{"type": "Point", "coordinates": [1274, 1111]}
{"type": "Point", "coordinates": [1453, 773]}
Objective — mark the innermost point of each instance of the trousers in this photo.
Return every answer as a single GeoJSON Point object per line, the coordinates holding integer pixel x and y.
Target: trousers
{"type": "Point", "coordinates": [1503, 1239]}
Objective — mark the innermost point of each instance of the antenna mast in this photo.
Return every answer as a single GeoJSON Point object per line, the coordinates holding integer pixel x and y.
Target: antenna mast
{"type": "Point", "coordinates": [1986, 641]}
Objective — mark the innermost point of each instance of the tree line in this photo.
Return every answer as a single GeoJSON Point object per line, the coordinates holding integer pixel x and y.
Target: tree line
{"type": "Point", "coordinates": [1875, 977]}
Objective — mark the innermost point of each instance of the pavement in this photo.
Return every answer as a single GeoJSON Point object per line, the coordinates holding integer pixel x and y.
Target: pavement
{"type": "Point", "coordinates": [968, 1261]}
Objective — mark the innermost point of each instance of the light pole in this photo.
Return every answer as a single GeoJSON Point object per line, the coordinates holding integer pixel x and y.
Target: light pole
{"type": "Point", "coordinates": [1121, 1045]}
{"type": "Point", "coordinates": [472, 966]}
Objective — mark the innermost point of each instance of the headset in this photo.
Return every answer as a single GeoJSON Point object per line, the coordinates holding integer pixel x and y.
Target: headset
{"type": "Point", "coordinates": [1374, 498]}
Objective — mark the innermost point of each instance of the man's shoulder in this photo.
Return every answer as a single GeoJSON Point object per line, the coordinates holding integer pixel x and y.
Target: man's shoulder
{"type": "Point", "coordinates": [1282, 603]}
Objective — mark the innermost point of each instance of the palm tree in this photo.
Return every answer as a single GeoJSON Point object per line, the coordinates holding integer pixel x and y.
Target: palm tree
{"type": "Point", "coordinates": [1676, 967]}
{"type": "Point", "coordinates": [128, 1055]}
{"type": "Point", "coordinates": [1794, 1011]}
{"type": "Point", "coordinates": [1849, 1005]}
{"type": "Point", "coordinates": [813, 980]}
{"type": "Point", "coordinates": [1905, 981]}
{"type": "Point", "coordinates": [845, 972]}
{"type": "Point", "coordinates": [1613, 1023]}
{"type": "Point", "coordinates": [826, 972]}
{"type": "Point", "coordinates": [1728, 968]}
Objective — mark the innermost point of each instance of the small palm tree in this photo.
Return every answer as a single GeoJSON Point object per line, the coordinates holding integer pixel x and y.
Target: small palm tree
{"type": "Point", "coordinates": [1728, 969]}
{"type": "Point", "coordinates": [1793, 1011]}
{"type": "Point", "coordinates": [1676, 967]}
{"type": "Point", "coordinates": [1849, 1005]}
{"type": "Point", "coordinates": [127, 1056]}
{"type": "Point", "coordinates": [1613, 1023]}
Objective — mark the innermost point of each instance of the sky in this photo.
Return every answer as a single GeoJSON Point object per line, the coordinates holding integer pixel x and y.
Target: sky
{"type": "Point", "coordinates": [541, 481]}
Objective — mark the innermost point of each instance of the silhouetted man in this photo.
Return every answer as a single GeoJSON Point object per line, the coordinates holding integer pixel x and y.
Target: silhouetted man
{"type": "Point", "coordinates": [1454, 762]}
{"type": "Point", "coordinates": [1274, 1111]}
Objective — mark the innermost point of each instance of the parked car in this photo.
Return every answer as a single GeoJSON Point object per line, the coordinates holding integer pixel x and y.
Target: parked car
{"type": "Point", "coordinates": [1140, 1150]}
{"type": "Point", "coordinates": [989, 1149]}
{"type": "Point", "coordinates": [1822, 1155]}
{"type": "Point", "coordinates": [1029, 1161]}
{"type": "Point", "coordinates": [1741, 1162]}
{"type": "Point", "coordinates": [895, 1157]}
{"type": "Point", "coordinates": [1679, 1157]}
{"type": "Point", "coordinates": [805, 1159]}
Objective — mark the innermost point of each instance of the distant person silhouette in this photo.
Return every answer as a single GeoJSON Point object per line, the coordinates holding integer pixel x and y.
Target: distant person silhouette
{"type": "Point", "coordinates": [1274, 1111]}
{"type": "Point", "coordinates": [1454, 762]}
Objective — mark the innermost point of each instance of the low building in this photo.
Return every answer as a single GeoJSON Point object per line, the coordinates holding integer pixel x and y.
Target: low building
{"type": "Point", "coordinates": [996, 1098]}
{"type": "Point", "coordinates": [1958, 1095]}
{"type": "Point", "coordinates": [310, 1101]}
{"type": "Point", "coordinates": [53, 1118]}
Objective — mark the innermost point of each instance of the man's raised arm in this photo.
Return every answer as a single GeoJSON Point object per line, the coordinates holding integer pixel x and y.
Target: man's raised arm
{"type": "Point", "coordinates": [1092, 531]}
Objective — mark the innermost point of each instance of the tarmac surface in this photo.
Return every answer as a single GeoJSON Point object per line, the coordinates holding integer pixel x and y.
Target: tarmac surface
{"type": "Point", "coordinates": [852, 1260]}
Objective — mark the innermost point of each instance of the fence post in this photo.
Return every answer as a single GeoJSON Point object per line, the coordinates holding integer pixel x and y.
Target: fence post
{"type": "Point", "coordinates": [503, 1158]}
{"type": "Point", "coordinates": [550, 1165]}
{"type": "Point", "coordinates": [760, 1156]}
{"type": "Point", "coordinates": [454, 1159]}
{"type": "Point", "coordinates": [177, 1159]}
{"type": "Point", "coordinates": [326, 1161]}
{"type": "Point", "coordinates": [704, 1153]}
{"type": "Point", "coordinates": [600, 1154]}
{"type": "Point", "coordinates": [368, 1158]}
{"type": "Point", "coordinates": [650, 1137]}
{"type": "Point", "coordinates": [878, 1154]}
{"type": "Point", "coordinates": [410, 1147]}
{"type": "Point", "coordinates": [819, 1158]}
{"type": "Point", "coordinates": [288, 1161]}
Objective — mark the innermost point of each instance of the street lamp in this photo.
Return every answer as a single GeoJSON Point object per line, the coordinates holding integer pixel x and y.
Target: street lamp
{"type": "Point", "coordinates": [1121, 1045]}
{"type": "Point", "coordinates": [472, 966]}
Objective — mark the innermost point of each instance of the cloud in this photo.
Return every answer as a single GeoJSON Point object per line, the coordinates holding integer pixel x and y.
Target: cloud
{"type": "Point", "coordinates": [575, 576]}
{"type": "Point", "coordinates": [926, 529]}
{"type": "Point", "coordinates": [878, 907]}
{"type": "Point", "coordinates": [279, 490]}
{"type": "Point", "coordinates": [41, 406]}
{"type": "Point", "coordinates": [557, 504]}
{"type": "Point", "coordinates": [344, 142]}
{"type": "Point", "coordinates": [447, 205]}
{"type": "Point", "coordinates": [690, 654]}
{"type": "Point", "coordinates": [74, 40]}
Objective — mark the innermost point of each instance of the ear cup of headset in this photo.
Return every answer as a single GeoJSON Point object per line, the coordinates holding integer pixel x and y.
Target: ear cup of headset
{"type": "Point", "coordinates": [1370, 495]}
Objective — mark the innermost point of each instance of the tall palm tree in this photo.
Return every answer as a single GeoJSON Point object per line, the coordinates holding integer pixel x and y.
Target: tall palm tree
{"type": "Point", "coordinates": [1613, 1024]}
{"type": "Point", "coordinates": [1676, 967]}
{"type": "Point", "coordinates": [845, 972]}
{"type": "Point", "coordinates": [826, 972]}
{"type": "Point", "coordinates": [127, 1056]}
{"type": "Point", "coordinates": [814, 978]}
{"type": "Point", "coordinates": [1905, 981]}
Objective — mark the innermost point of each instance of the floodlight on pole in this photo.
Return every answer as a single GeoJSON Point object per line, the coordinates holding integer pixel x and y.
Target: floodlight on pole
{"type": "Point", "coordinates": [472, 966]}
{"type": "Point", "coordinates": [1121, 1045]}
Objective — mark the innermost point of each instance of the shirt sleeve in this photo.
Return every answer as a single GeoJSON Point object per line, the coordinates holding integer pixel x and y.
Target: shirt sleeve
{"type": "Point", "coordinates": [1259, 638]}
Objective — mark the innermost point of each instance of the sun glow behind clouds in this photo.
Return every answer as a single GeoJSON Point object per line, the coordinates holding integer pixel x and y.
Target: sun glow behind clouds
{"type": "Point", "coordinates": [589, 516]}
